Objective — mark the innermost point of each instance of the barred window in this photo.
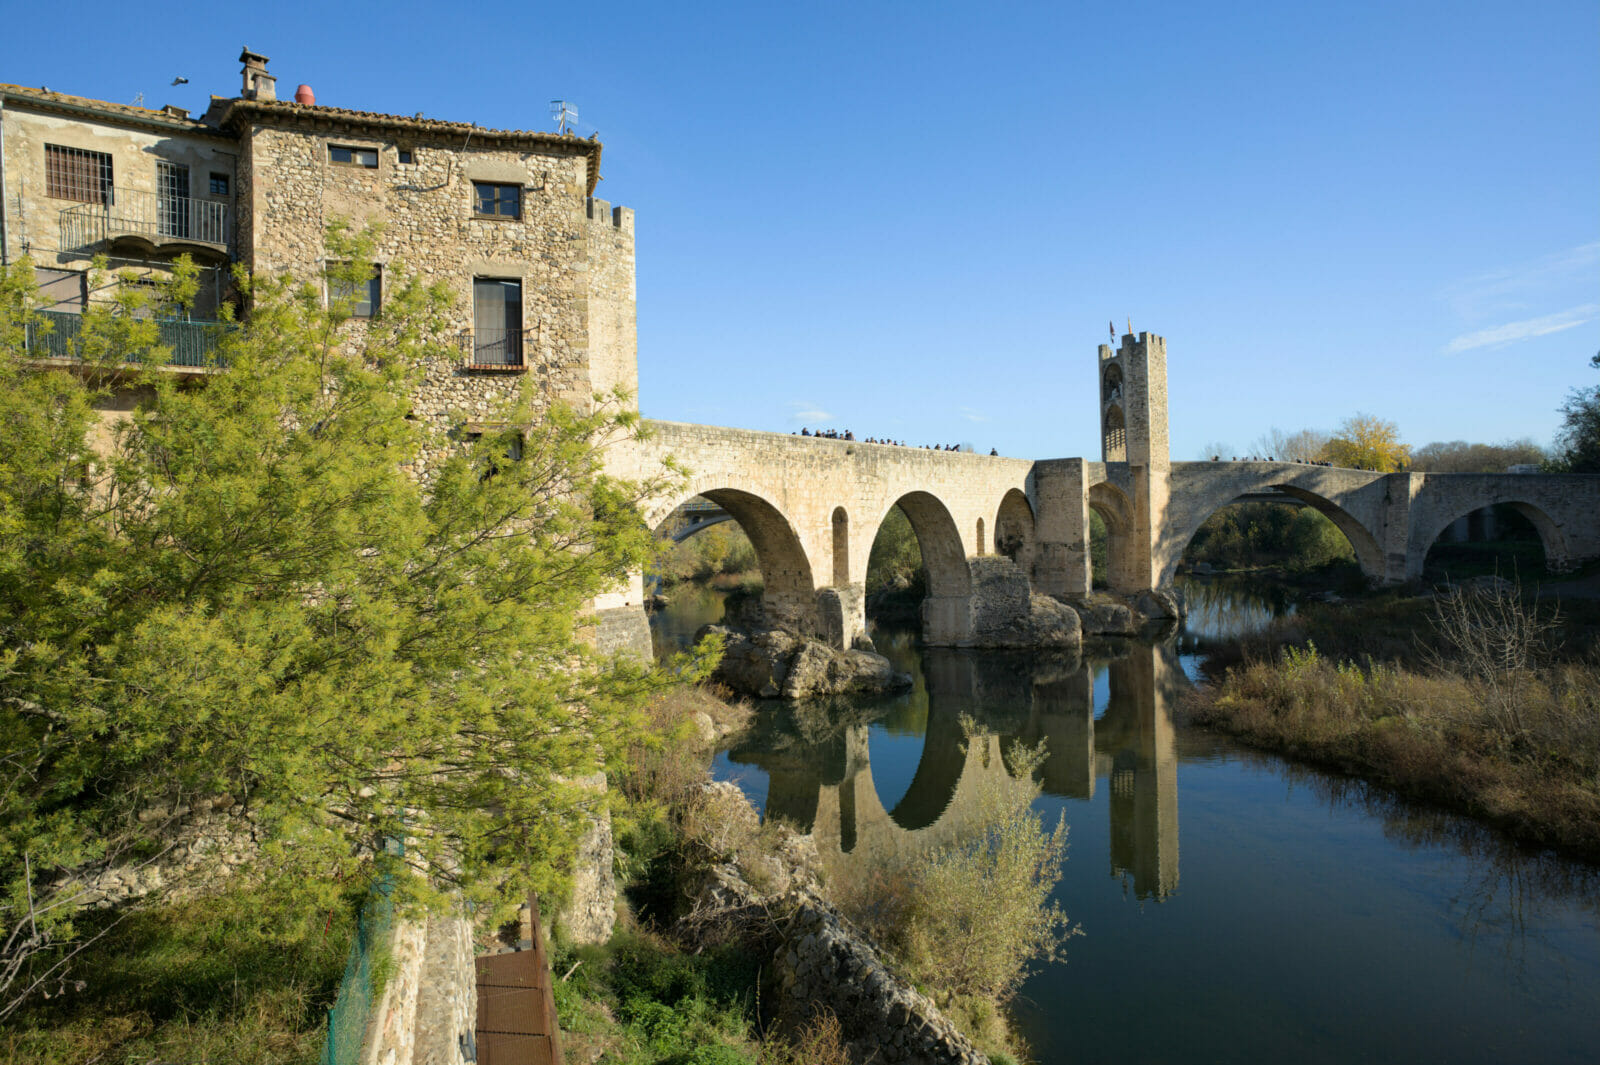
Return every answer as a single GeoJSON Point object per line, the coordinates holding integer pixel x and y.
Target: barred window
{"type": "Point", "coordinates": [76, 174]}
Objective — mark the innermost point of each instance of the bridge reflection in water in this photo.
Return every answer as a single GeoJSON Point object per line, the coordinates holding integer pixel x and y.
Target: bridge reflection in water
{"type": "Point", "coordinates": [820, 773]}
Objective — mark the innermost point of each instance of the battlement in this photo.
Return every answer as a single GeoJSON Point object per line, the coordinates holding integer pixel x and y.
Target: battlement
{"type": "Point", "coordinates": [1130, 344]}
{"type": "Point", "coordinates": [601, 213]}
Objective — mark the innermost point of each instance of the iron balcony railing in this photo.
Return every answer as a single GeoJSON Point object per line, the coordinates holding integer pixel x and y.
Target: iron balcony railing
{"type": "Point", "coordinates": [496, 349]}
{"type": "Point", "coordinates": [156, 216]}
{"type": "Point", "coordinates": [192, 343]}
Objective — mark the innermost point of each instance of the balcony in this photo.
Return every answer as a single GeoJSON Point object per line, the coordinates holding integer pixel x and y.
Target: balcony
{"type": "Point", "coordinates": [193, 344]}
{"type": "Point", "coordinates": [496, 350]}
{"type": "Point", "coordinates": [148, 222]}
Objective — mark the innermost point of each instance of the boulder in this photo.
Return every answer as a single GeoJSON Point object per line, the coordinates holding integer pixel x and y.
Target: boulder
{"type": "Point", "coordinates": [1005, 613]}
{"type": "Point", "coordinates": [774, 663]}
{"type": "Point", "coordinates": [1047, 623]}
{"type": "Point", "coordinates": [820, 670]}
{"type": "Point", "coordinates": [1157, 604]}
{"type": "Point", "coordinates": [1107, 619]}
{"type": "Point", "coordinates": [752, 664]}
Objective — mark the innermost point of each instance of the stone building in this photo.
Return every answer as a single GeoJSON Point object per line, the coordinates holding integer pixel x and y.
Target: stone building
{"type": "Point", "coordinates": [507, 220]}
{"type": "Point", "coordinates": [81, 177]}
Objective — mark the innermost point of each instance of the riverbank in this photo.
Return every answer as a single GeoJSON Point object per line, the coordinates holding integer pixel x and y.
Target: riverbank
{"type": "Point", "coordinates": [725, 925]}
{"type": "Point", "coordinates": [1478, 700]}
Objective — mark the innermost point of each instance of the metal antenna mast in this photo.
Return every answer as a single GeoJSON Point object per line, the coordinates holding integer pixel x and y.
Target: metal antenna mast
{"type": "Point", "coordinates": [564, 113]}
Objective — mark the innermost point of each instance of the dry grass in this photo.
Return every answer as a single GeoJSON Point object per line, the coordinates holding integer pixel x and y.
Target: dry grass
{"type": "Point", "coordinates": [668, 763]}
{"type": "Point", "coordinates": [1494, 726]}
{"type": "Point", "coordinates": [819, 1042]}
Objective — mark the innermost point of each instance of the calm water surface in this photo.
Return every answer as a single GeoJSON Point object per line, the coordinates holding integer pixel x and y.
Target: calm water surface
{"type": "Point", "coordinates": [1234, 907]}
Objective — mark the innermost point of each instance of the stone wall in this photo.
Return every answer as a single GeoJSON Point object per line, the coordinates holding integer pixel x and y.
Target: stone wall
{"type": "Point", "coordinates": [391, 1034]}
{"type": "Point", "coordinates": [426, 211]}
{"type": "Point", "coordinates": [207, 842]}
{"type": "Point", "coordinates": [823, 962]}
{"type": "Point", "coordinates": [429, 1006]}
{"type": "Point", "coordinates": [622, 630]}
{"type": "Point", "coordinates": [591, 912]}
{"type": "Point", "coordinates": [447, 996]}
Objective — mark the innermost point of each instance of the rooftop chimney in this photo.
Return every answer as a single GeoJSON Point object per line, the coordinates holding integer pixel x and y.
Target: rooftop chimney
{"type": "Point", "coordinates": [258, 84]}
{"type": "Point", "coordinates": [304, 95]}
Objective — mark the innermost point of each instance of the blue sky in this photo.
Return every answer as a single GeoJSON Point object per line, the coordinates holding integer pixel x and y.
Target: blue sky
{"type": "Point", "coordinates": [916, 220]}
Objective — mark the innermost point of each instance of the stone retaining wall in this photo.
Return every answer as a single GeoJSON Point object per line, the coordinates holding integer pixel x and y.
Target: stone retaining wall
{"type": "Point", "coordinates": [429, 1004]}
{"type": "Point", "coordinates": [823, 962]}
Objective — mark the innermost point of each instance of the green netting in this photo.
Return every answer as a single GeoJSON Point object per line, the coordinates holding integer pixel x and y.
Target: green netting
{"type": "Point", "coordinates": [352, 1008]}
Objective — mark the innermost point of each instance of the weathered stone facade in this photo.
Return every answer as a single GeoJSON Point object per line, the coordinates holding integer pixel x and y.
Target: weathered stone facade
{"type": "Point", "coordinates": [83, 177]}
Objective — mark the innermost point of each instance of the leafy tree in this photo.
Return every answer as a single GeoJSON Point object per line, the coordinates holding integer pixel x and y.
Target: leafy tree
{"type": "Point", "coordinates": [1366, 442]}
{"type": "Point", "coordinates": [244, 591]}
{"type": "Point", "coordinates": [1458, 456]}
{"type": "Point", "coordinates": [1577, 447]}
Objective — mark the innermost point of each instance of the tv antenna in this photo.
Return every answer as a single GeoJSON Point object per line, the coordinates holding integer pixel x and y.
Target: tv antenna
{"type": "Point", "coordinates": [564, 113]}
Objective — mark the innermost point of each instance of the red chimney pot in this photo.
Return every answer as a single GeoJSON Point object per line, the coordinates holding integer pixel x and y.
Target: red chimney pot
{"type": "Point", "coordinates": [304, 95]}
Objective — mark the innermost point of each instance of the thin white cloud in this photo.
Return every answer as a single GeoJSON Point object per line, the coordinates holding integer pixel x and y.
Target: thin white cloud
{"type": "Point", "coordinates": [808, 412]}
{"type": "Point", "coordinates": [1523, 330]}
{"type": "Point", "coordinates": [973, 416]}
{"type": "Point", "coordinates": [1502, 291]}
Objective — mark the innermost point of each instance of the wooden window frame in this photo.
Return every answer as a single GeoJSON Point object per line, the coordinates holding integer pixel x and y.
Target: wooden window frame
{"type": "Point", "coordinates": [498, 216]}
{"type": "Point", "coordinates": [354, 150]}
{"type": "Point", "coordinates": [374, 300]}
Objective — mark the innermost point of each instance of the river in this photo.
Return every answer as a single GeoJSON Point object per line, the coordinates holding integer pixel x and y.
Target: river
{"type": "Point", "coordinates": [1304, 918]}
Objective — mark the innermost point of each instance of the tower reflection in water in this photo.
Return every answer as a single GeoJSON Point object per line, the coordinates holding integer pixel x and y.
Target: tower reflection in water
{"type": "Point", "coordinates": [820, 777]}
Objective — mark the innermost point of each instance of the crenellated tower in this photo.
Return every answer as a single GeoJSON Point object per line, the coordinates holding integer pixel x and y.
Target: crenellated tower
{"type": "Point", "coordinates": [1134, 447]}
{"type": "Point", "coordinates": [1133, 402]}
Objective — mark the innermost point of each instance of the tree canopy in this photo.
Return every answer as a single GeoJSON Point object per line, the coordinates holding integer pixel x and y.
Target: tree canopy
{"type": "Point", "coordinates": [1459, 456]}
{"type": "Point", "coordinates": [1577, 448]}
{"type": "Point", "coordinates": [1368, 443]}
{"type": "Point", "coordinates": [240, 589]}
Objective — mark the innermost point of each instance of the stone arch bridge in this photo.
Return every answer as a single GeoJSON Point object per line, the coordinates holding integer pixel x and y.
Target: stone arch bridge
{"type": "Point", "coordinates": [995, 532]}
{"type": "Point", "coordinates": [812, 508]}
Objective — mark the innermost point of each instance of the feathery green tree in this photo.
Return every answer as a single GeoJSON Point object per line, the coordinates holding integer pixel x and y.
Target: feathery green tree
{"type": "Point", "coordinates": [242, 589]}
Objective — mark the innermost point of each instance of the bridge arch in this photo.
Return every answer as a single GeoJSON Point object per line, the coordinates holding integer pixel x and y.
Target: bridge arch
{"type": "Point", "coordinates": [1356, 502]}
{"type": "Point", "coordinates": [1014, 530]}
{"type": "Point", "coordinates": [1116, 510]}
{"type": "Point", "coordinates": [1368, 552]}
{"type": "Point", "coordinates": [1551, 538]}
{"type": "Point", "coordinates": [946, 610]}
{"type": "Point", "coordinates": [788, 586]}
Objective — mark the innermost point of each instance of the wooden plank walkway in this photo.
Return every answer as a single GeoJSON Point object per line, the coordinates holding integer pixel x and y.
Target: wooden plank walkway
{"type": "Point", "coordinates": [516, 1004]}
